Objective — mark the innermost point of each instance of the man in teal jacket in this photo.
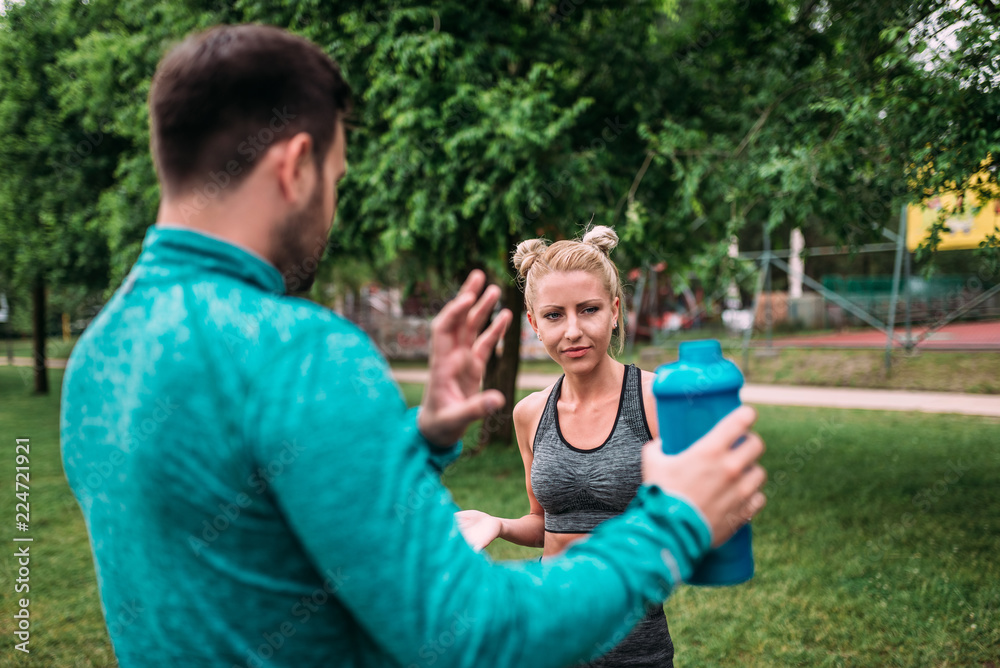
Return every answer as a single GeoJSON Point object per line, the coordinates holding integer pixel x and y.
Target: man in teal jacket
{"type": "Point", "coordinates": [255, 489]}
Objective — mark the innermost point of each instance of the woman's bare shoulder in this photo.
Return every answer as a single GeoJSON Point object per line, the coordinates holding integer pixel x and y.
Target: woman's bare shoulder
{"type": "Point", "coordinates": [532, 405]}
{"type": "Point", "coordinates": [527, 413]}
{"type": "Point", "coordinates": [649, 402]}
{"type": "Point", "coordinates": [647, 380]}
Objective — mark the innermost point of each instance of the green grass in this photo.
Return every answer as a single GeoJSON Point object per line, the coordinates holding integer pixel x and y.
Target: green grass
{"type": "Point", "coordinates": [55, 348]}
{"type": "Point", "coordinates": [940, 371]}
{"type": "Point", "coordinates": [66, 624]}
{"type": "Point", "coordinates": [878, 546]}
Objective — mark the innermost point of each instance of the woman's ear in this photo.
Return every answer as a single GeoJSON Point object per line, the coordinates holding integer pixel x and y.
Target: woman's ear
{"type": "Point", "coordinates": [531, 321]}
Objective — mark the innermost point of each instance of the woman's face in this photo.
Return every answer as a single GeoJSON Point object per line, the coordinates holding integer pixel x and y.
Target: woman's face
{"type": "Point", "coordinates": [573, 314]}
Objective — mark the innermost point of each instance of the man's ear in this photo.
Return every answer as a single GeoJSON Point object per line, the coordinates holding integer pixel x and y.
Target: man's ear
{"type": "Point", "coordinates": [297, 169]}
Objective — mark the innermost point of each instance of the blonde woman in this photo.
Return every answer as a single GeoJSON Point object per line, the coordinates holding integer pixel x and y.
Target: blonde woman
{"type": "Point", "coordinates": [580, 438]}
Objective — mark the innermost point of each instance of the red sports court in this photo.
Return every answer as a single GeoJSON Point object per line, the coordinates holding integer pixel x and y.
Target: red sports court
{"type": "Point", "coordinates": [955, 336]}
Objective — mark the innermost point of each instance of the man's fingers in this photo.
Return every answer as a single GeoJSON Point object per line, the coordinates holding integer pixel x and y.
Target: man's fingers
{"type": "Point", "coordinates": [487, 341]}
{"type": "Point", "coordinates": [488, 401]}
{"type": "Point", "coordinates": [747, 453]}
{"type": "Point", "coordinates": [651, 450]}
{"type": "Point", "coordinates": [749, 508]}
{"type": "Point", "coordinates": [453, 313]}
{"type": "Point", "coordinates": [473, 282]}
{"type": "Point", "coordinates": [475, 408]}
{"type": "Point", "coordinates": [752, 481]}
{"type": "Point", "coordinates": [756, 503]}
{"type": "Point", "coordinates": [481, 311]}
{"type": "Point", "coordinates": [729, 429]}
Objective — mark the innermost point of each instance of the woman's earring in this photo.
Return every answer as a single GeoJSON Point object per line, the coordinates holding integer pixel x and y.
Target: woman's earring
{"type": "Point", "coordinates": [539, 335]}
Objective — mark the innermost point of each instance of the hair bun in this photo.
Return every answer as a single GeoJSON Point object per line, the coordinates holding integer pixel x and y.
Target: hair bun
{"type": "Point", "coordinates": [526, 254]}
{"type": "Point", "coordinates": [603, 237]}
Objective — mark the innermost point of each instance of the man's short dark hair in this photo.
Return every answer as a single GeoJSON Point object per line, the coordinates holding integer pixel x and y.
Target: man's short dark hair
{"type": "Point", "coordinates": [222, 97]}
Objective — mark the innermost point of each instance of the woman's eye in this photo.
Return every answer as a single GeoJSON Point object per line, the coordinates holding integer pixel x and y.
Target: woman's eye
{"type": "Point", "coordinates": [591, 309]}
{"type": "Point", "coordinates": [551, 316]}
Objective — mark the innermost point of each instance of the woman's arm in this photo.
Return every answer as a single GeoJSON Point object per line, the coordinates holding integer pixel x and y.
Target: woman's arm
{"type": "Point", "coordinates": [479, 528]}
{"type": "Point", "coordinates": [649, 403]}
{"type": "Point", "coordinates": [530, 529]}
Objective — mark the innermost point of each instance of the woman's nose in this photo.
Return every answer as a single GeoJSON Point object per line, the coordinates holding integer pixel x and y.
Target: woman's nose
{"type": "Point", "coordinates": [572, 328]}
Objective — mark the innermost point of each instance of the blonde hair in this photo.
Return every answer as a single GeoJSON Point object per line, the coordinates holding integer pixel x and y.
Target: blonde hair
{"type": "Point", "coordinates": [534, 259]}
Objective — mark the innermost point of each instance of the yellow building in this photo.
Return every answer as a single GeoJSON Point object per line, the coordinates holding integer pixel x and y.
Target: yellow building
{"type": "Point", "coordinates": [967, 225]}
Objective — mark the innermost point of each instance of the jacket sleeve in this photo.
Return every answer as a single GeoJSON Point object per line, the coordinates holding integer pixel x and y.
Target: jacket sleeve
{"type": "Point", "coordinates": [362, 499]}
{"type": "Point", "coordinates": [439, 458]}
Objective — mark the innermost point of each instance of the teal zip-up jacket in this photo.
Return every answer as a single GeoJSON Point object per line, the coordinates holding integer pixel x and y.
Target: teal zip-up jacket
{"type": "Point", "coordinates": [257, 494]}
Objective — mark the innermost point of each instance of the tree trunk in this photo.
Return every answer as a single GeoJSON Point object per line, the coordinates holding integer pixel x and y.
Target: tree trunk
{"type": "Point", "coordinates": [38, 335]}
{"type": "Point", "coordinates": [501, 372]}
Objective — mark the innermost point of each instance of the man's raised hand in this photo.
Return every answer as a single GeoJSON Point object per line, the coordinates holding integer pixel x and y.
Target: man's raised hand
{"type": "Point", "coordinates": [458, 355]}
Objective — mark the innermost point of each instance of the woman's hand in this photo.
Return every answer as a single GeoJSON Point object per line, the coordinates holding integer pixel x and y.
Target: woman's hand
{"type": "Point", "coordinates": [478, 528]}
{"type": "Point", "coordinates": [452, 398]}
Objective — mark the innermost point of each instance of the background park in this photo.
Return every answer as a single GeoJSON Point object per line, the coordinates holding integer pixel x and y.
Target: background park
{"type": "Point", "coordinates": [813, 182]}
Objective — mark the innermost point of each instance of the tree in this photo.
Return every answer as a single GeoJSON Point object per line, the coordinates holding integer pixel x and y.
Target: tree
{"type": "Point", "coordinates": [478, 125]}
{"type": "Point", "coordinates": [52, 163]}
{"type": "Point", "coordinates": [821, 115]}
{"type": "Point", "coordinates": [107, 80]}
{"type": "Point", "coordinates": [679, 124]}
{"type": "Point", "coordinates": [483, 124]}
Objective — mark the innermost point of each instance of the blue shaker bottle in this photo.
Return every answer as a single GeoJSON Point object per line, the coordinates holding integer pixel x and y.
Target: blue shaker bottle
{"type": "Point", "coordinates": [692, 395]}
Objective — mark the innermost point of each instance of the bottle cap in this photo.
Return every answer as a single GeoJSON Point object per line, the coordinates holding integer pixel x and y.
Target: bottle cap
{"type": "Point", "coordinates": [706, 351]}
{"type": "Point", "coordinates": [700, 370]}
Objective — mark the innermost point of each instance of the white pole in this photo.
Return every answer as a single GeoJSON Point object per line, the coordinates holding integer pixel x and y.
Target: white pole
{"type": "Point", "coordinates": [797, 264]}
{"type": "Point", "coordinates": [733, 293]}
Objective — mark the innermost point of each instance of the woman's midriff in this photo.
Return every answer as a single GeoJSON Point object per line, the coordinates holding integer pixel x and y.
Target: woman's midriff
{"type": "Point", "coordinates": [556, 543]}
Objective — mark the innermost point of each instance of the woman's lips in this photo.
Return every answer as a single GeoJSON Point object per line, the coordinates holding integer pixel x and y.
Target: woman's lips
{"type": "Point", "coordinates": [575, 352]}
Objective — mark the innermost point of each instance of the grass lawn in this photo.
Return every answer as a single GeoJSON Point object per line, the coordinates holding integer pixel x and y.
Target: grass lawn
{"type": "Point", "coordinates": [55, 347]}
{"type": "Point", "coordinates": [879, 546]}
{"type": "Point", "coordinates": [66, 624]}
{"type": "Point", "coordinates": [927, 370]}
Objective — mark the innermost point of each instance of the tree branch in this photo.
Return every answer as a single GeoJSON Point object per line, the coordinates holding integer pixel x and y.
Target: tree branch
{"type": "Point", "coordinates": [767, 112]}
{"type": "Point", "coordinates": [635, 185]}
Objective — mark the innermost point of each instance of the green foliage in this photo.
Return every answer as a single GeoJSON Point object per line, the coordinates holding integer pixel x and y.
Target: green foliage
{"type": "Point", "coordinates": [482, 124]}
{"type": "Point", "coordinates": [106, 81]}
{"type": "Point", "coordinates": [52, 164]}
{"type": "Point", "coordinates": [820, 115]}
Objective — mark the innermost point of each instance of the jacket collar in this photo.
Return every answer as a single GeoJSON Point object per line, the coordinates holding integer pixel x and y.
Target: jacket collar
{"type": "Point", "coordinates": [168, 248]}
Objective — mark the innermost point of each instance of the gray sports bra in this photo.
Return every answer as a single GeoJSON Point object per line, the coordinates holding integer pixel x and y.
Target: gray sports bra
{"type": "Point", "coordinates": [579, 489]}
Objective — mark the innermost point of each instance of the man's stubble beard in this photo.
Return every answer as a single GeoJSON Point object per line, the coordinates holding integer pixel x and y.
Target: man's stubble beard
{"type": "Point", "coordinates": [301, 245]}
